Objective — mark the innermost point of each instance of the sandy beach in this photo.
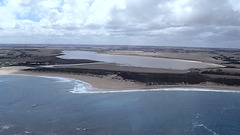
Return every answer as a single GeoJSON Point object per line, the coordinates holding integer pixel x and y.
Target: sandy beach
{"type": "Point", "coordinates": [111, 82]}
{"type": "Point", "coordinates": [111, 76]}
{"type": "Point", "coordinates": [11, 70]}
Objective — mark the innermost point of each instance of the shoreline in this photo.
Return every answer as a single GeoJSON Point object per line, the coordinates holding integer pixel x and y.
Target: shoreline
{"type": "Point", "coordinates": [99, 83]}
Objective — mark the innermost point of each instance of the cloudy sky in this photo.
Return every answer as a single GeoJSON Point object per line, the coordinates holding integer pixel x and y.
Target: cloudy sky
{"type": "Point", "coordinates": [206, 23]}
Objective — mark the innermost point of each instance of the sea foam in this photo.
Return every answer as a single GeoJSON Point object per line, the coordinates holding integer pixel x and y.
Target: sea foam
{"type": "Point", "coordinates": [95, 91]}
{"type": "Point", "coordinates": [197, 125]}
{"type": "Point", "coordinates": [80, 87]}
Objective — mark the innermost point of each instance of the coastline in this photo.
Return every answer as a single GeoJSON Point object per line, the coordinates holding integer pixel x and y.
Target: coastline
{"type": "Point", "coordinates": [107, 83]}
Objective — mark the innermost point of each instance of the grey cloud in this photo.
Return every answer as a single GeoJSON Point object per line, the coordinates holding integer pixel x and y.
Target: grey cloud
{"type": "Point", "coordinates": [208, 23]}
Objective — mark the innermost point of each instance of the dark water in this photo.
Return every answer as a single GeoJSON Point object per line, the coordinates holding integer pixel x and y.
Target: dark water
{"type": "Point", "coordinates": [34, 105]}
{"type": "Point", "coordinates": [137, 61]}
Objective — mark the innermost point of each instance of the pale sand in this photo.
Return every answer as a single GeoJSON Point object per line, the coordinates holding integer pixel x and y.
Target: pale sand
{"type": "Point", "coordinates": [11, 70]}
{"type": "Point", "coordinates": [109, 83]}
{"type": "Point", "coordinates": [104, 82]}
{"type": "Point", "coordinates": [112, 82]}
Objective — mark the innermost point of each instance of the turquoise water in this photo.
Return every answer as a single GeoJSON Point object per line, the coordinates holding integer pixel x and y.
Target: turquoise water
{"type": "Point", "coordinates": [38, 105]}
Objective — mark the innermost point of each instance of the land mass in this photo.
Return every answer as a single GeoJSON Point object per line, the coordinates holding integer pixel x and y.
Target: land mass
{"type": "Point", "coordinates": [44, 60]}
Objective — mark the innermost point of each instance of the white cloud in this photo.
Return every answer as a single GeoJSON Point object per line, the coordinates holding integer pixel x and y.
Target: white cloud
{"type": "Point", "coordinates": [235, 5]}
{"type": "Point", "coordinates": [158, 22]}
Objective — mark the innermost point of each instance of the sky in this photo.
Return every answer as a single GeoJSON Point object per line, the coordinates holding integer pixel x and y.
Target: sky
{"type": "Point", "coordinates": [191, 23]}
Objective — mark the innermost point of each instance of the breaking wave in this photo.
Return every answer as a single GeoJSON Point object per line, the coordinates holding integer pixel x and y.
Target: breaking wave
{"type": "Point", "coordinates": [81, 87]}
{"type": "Point", "coordinates": [78, 90]}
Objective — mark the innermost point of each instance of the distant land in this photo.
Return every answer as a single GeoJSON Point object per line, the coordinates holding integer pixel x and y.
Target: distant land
{"type": "Point", "coordinates": [40, 59]}
{"type": "Point", "coordinates": [87, 45]}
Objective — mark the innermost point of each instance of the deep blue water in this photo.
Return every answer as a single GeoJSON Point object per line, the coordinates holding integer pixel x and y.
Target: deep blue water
{"type": "Point", "coordinates": [36, 105]}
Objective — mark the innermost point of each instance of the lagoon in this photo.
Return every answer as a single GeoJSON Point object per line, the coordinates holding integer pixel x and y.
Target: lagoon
{"type": "Point", "coordinates": [138, 61]}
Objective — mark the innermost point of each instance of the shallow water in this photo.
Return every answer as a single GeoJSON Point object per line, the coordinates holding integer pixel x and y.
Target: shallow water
{"type": "Point", "coordinates": [137, 61]}
{"type": "Point", "coordinates": [39, 105]}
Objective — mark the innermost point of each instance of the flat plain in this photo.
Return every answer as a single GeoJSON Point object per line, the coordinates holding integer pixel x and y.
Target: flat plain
{"type": "Point", "coordinates": [44, 60]}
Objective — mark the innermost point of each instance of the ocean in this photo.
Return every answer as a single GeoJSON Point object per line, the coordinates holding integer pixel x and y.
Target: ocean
{"type": "Point", "coordinates": [61, 106]}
